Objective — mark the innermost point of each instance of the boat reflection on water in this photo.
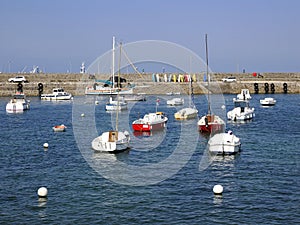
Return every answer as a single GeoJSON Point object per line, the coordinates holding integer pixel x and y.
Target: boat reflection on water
{"type": "Point", "coordinates": [239, 122]}
{"type": "Point", "coordinates": [139, 134]}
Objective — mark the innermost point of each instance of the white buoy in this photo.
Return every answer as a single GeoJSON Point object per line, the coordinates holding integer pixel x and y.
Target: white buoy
{"type": "Point", "coordinates": [42, 192]}
{"type": "Point", "coordinates": [218, 189]}
{"type": "Point", "coordinates": [46, 145]}
{"type": "Point", "coordinates": [223, 107]}
{"type": "Point", "coordinates": [96, 102]}
{"type": "Point", "coordinates": [82, 115]}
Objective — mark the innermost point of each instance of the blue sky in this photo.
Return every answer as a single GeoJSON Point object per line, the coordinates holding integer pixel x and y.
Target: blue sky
{"type": "Point", "coordinates": [57, 35]}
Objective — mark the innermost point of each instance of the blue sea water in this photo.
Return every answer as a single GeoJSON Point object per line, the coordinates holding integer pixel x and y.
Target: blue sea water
{"type": "Point", "coordinates": [261, 184]}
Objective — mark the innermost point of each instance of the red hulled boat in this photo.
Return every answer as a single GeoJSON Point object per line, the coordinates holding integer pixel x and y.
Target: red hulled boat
{"type": "Point", "coordinates": [150, 122]}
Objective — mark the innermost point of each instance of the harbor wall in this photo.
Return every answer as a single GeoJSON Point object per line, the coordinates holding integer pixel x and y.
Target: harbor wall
{"type": "Point", "coordinates": [76, 83]}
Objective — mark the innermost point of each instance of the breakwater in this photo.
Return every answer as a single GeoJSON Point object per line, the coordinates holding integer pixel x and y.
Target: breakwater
{"type": "Point", "coordinates": [76, 83]}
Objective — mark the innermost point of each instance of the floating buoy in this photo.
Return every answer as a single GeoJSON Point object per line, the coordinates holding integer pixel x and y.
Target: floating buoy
{"type": "Point", "coordinates": [96, 102]}
{"type": "Point", "coordinates": [82, 115]}
{"type": "Point", "coordinates": [223, 107]}
{"type": "Point", "coordinates": [42, 192]}
{"type": "Point", "coordinates": [46, 145]}
{"type": "Point", "coordinates": [218, 189]}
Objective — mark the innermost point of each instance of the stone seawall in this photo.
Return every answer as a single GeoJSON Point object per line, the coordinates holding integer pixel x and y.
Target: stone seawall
{"type": "Point", "coordinates": [76, 83]}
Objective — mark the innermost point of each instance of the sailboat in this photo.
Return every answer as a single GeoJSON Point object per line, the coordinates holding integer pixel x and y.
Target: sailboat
{"type": "Point", "coordinates": [210, 123]}
{"type": "Point", "coordinates": [189, 112]}
{"type": "Point", "coordinates": [112, 141]}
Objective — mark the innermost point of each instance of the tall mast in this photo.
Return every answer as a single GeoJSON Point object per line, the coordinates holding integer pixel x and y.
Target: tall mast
{"type": "Point", "coordinates": [113, 63]}
{"type": "Point", "coordinates": [207, 74]}
{"type": "Point", "coordinates": [118, 82]}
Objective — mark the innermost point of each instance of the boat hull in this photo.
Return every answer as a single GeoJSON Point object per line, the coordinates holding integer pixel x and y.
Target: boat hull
{"type": "Point", "coordinates": [211, 124]}
{"type": "Point", "coordinates": [186, 113]}
{"type": "Point", "coordinates": [56, 98]}
{"type": "Point", "coordinates": [224, 144]}
{"type": "Point", "coordinates": [148, 127]}
{"type": "Point", "coordinates": [237, 115]}
{"type": "Point", "coordinates": [106, 143]}
{"type": "Point", "coordinates": [211, 128]}
{"type": "Point", "coordinates": [109, 91]}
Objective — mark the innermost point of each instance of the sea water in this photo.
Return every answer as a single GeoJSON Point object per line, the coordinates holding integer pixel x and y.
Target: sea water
{"type": "Point", "coordinates": [165, 178]}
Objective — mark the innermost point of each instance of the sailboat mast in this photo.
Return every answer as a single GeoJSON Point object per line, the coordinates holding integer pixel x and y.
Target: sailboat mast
{"type": "Point", "coordinates": [118, 90]}
{"type": "Point", "coordinates": [113, 63]}
{"type": "Point", "coordinates": [207, 74]}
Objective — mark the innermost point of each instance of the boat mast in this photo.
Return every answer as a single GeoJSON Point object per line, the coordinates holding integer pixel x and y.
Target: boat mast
{"type": "Point", "coordinates": [208, 76]}
{"type": "Point", "coordinates": [113, 63]}
{"type": "Point", "coordinates": [118, 89]}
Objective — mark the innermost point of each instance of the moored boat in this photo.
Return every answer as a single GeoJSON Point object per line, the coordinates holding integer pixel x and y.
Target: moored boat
{"type": "Point", "coordinates": [114, 105]}
{"type": "Point", "coordinates": [59, 128]}
{"type": "Point", "coordinates": [210, 123]}
{"type": "Point", "coordinates": [175, 101]}
{"type": "Point", "coordinates": [186, 113]}
{"type": "Point", "coordinates": [224, 144]}
{"type": "Point", "coordinates": [111, 142]}
{"type": "Point", "coordinates": [150, 122]}
{"type": "Point", "coordinates": [267, 101]}
{"type": "Point", "coordinates": [18, 103]}
{"type": "Point", "coordinates": [241, 111]}
{"type": "Point", "coordinates": [57, 95]}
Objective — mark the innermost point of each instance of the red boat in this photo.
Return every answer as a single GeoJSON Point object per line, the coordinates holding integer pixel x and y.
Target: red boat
{"type": "Point", "coordinates": [150, 122]}
{"type": "Point", "coordinates": [211, 124]}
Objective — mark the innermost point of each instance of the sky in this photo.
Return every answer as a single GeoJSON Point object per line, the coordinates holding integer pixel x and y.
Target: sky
{"type": "Point", "coordinates": [58, 35]}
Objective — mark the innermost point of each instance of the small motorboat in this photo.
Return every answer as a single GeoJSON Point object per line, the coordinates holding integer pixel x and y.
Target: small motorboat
{"type": "Point", "coordinates": [175, 101]}
{"type": "Point", "coordinates": [224, 144]}
{"type": "Point", "coordinates": [186, 113]}
{"type": "Point", "coordinates": [59, 128]}
{"type": "Point", "coordinates": [267, 102]}
{"type": "Point", "coordinates": [18, 103]}
{"type": "Point", "coordinates": [116, 104]}
{"type": "Point", "coordinates": [150, 122]}
{"type": "Point", "coordinates": [111, 142]}
{"type": "Point", "coordinates": [241, 111]}
{"type": "Point", "coordinates": [58, 94]}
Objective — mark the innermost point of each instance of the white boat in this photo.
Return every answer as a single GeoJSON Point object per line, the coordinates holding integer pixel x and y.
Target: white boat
{"type": "Point", "coordinates": [186, 113]}
{"type": "Point", "coordinates": [175, 101]}
{"type": "Point", "coordinates": [189, 112]}
{"type": "Point", "coordinates": [18, 103]}
{"type": "Point", "coordinates": [241, 111]}
{"type": "Point", "coordinates": [57, 95]}
{"type": "Point", "coordinates": [112, 141]}
{"type": "Point", "coordinates": [224, 144]}
{"type": "Point", "coordinates": [104, 90]}
{"type": "Point", "coordinates": [116, 104]}
{"type": "Point", "coordinates": [267, 101]}
{"type": "Point", "coordinates": [59, 128]}
{"type": "Point", "coordinates": [244, 95]}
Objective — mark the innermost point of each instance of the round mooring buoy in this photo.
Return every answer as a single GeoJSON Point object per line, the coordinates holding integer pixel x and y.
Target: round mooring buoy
{"type": "Point", "coordinates": [42, 192]}
{"type": "Point", "coordinates": [82, 115]}
{"type": "Point", "coordinates": [46, 145]}
{"type": "Point", "coordinates": [218, 189]}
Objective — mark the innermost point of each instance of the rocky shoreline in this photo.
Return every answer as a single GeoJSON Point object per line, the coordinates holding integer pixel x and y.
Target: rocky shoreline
{"type": "Point", "coordinates": [76, 83]}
